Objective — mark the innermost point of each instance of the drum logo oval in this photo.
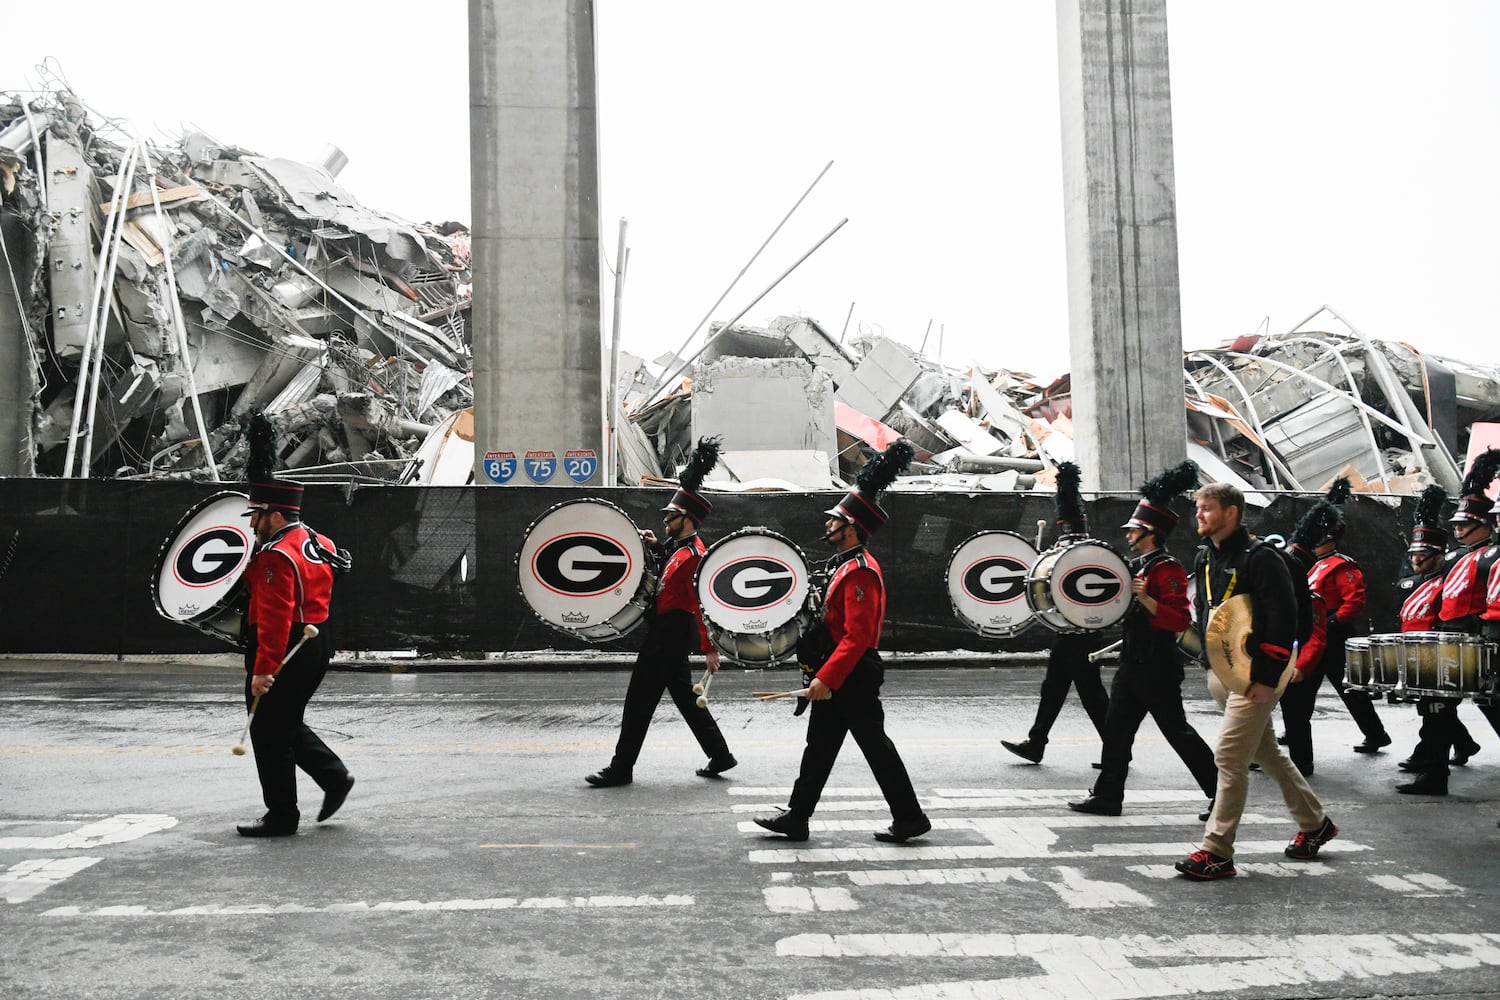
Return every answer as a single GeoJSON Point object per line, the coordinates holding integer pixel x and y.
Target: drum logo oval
{"type": "Point", "coordinates": [210, 557]}
{"type": "Point", "coordinates": [1090, 585]}
{"type": "Point", "coordinates": [996, 580]}
{"type": "Point", "coordinates": [753, 583]}
{"type": "Point", "coordinates": [581, 565]}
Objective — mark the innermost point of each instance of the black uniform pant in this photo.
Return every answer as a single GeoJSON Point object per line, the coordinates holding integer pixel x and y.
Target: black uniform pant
{"type": "Point", "coordinates": [1068, 666]}
{"type": "Point", "coordinates": [662, 666]}
{"type": "Point", "coordinates": [1155, 689]}
{"type": "Point", "coordinates": [281, 739]}
{"type": "Point", "coordinates": [854, 710]}
{"type": "Point", "coordinates": [1300, 700]}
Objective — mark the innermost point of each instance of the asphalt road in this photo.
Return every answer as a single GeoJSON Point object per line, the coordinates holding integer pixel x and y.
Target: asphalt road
{"type": "Point", "coordinates": [473, 861]}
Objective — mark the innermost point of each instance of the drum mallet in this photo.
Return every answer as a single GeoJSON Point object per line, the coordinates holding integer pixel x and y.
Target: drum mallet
{"type": "Point", "coordinates": [702, 689]}
{"type": "Point", "coordinates": [774, 695]}
{"type": "Point", "coordinates": [1041, 529]}
{"type": "Point", "coordinates": [308, 631]}
{"type": "Point", "coordinates": [1100, 654]}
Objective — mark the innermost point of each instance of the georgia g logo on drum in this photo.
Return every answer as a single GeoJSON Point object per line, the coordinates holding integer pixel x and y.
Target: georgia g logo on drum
{"type": "Point", "coordinates": [753, 583]}
{"type": "Point", "coordinates": [995, 579]}
{"type": "Point", "coordinates": [211, 557]}
{"type": "Point", "coordinates": [581, 564]}
{"type": "Point", "coordinates": [1091, 585]}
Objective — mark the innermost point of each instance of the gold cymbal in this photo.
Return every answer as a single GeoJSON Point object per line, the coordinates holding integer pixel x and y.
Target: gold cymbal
{"type": "Point", "coordinates": [1227, 637]}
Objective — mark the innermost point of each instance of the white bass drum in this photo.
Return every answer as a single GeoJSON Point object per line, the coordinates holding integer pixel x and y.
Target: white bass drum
{"type": "Point", "coordinates": [753, 588]}
{"type": "Point", "coordinates": [1079, 586]}
{"type": "Point", "coordinates": [986, 579]}
{"type": "Point", "coordinates": [584, 570]}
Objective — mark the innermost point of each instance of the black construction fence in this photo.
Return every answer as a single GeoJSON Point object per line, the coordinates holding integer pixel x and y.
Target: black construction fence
{"type": "Point", "coordinates": [435, 569]}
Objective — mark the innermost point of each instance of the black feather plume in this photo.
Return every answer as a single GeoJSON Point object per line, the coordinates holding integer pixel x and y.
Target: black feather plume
{"type": "Point", "coordinates": [260, 467]}
{"type": "Point", "coordinates": [883, 469]}
{"type": "Point", "coordinates": [1482, 473]}
{"type": "Point", "coordinates": [1069, 498]}
{"type": "Point", "coordinates": [1339, 491]}
{"type": "Point", "coordinates": [700, 463]}
{"type": "Point", "coordinates": [1161, 489]}
{"type": "Point", "coordinates": [1314, 526]}
{"type": "Point", "coordinates": [1430, 507]}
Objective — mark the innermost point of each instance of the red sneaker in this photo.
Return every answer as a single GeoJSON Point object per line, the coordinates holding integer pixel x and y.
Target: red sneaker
{"type": "Point", "coordinates": [1202, 864]}
{"type": "Point", "coordinates": [1304, 846]}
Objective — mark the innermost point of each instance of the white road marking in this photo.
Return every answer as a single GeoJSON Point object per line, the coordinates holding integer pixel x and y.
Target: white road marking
{"type": "Point", "coordinates": [1106, 969]}
{"type": "Point", "coordinates": [1270, 869]}
{"type": "Point", "coordinates": [1003, 826]}
{"type": "Point", "coordinates": [1080, 892]}
{"type": "Point", "coordinates": [113, 830]}
{"type": "Point", "coordinates": [1032, 800]}
{"type": "Point", "coordinates": [28, 878]}
{"type": "Point", "coordinates": [392, 906]}
{"type": "Point", "coordinates": [986, 852]}
{"type": "Point", "coordinates": [933, 876]}
{"type": "Point", "coordinates": [797, 899]}
{"type": "Point", "coordinates": [1417, 884]}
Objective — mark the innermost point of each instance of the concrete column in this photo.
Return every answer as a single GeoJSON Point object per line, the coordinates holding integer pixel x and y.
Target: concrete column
{"type": "Point", "coordinates": [538, 379]}
{"type": "Point", "coordinates": [1124, 306]}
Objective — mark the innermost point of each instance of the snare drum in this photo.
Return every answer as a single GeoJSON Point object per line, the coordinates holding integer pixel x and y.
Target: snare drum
{"type": "Point", "coordinates": [753, 588]}
{"type": "Point", "coordinates": [987, 583]}
{"type": "Point", "coordinates": [584, 570]}
{"type": "Point", "coordinates": [1358, 673]}
{"type": "Point", "coordinates": [1422, 655]}
{"type": "Point", "coordinates": [200, 565]}
{"type": "Point", "coordinates": [1079, 586]}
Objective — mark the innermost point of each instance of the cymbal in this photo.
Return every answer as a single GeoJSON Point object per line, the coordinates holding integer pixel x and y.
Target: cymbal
{"type": "Point", "coordinates": [1227, 637]}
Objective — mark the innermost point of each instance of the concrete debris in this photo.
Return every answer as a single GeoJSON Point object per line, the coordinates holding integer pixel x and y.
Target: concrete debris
{"type": "Point", "coordinates": [155, 295]}
{"type": "Point", "coordinates": [1268, 413]}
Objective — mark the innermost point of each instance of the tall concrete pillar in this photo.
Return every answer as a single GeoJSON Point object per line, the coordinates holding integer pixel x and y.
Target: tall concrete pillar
{"type": "Point", "coordinates": [1124, 306]}
{"type": "Point", "coordinates": [538, 379]}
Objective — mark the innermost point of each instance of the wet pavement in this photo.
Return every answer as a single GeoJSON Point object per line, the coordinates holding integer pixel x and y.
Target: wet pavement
{"type": "Point", "coordinates": [472, 860]}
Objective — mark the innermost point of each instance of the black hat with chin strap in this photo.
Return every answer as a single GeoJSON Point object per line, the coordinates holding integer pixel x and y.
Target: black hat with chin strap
{"type": "Point", "coordinates": [267, 493]}
{"type": "Point", "coordinates": [687, 500]}
{"type": "Point", "coordinates": [1154, 511]}
{"type": "Point", "coordinates": [859, 506]}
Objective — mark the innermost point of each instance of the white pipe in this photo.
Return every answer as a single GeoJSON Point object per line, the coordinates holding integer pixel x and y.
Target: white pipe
{"type": "Point", "coordinates": [177, 321]}
{"type": "Point", "coordinates": [622, 259]}
{"type": "Point", "coordinates": [110, 225]}
{"type": "Point", "coordinates": [737, 277]}
{"type": "Point", "coordinates": [87, 459]}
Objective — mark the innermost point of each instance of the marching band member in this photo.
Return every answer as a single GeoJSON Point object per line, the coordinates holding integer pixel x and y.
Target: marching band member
{"type": "Point", "coordinates": [1068, 663]}
{"type": "Point", "coordinates": [1462, 603]}
{"type": "Point", "coordinates": [1149, 677]}
{"type": "Point", "coordinates": [1339, 581]}
{"type": "Point", "coordinates": [290, 583]}
{"type": "Point", "coordinates": [1231, 563]}
{"type": "Point", "coordinates": [845, 691]}
{"type": "Point", "coordinates": [1302, 691]}
{"type": "Point", "coordinates": [673, 631]}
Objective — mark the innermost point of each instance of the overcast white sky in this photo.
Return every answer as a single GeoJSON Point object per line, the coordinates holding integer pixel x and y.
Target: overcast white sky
{"type": "Point", "coordinates": [1326, 152]}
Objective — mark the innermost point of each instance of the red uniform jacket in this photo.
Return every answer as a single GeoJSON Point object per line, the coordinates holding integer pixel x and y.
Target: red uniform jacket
{"type": "Point", "coordinates": [1311, 653]}
{"type": "Point", "coordinates": [1465, 588]}
{"type": "Point", "coordinates": [675, 591]}
{"type": "Point", "coordinates": [1419, 612]}
{"type": "Point", "coordinates": [853, 611]}
{"type": "Point", "coordinates": [1341, 583]}
{"type": "Point", "coordinates": [288, 583]}
{"type": "Point", "coordinates": [1167, 584]}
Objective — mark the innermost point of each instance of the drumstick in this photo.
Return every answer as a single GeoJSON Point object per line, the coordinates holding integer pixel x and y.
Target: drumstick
{"type": "Point", "coordinates": [773, 695]}
{"type": "Point", "coordinates": [308, 631]}
{"type": "Point", "coordinates": [702, 689]}
{"type": "Point", "coordinates": [1041, 527]}
{"type": "Point", "coordinates": [1100, 654]}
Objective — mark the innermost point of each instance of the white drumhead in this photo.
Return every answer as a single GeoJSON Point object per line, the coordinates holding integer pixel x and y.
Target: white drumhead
{"type": "Point", "coordinates": [987, 582]}
{"type": "Point", "coordinates": [581, 564]}
{"type": "Point", "coordinates": [1089, 584]}
{"type": "Point", "coordinates": [201, 563]}
{"type": "Point", "coordinates": [752, 581]}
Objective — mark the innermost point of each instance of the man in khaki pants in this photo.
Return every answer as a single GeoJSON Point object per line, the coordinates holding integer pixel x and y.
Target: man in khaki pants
{"type": "Point", "coordinates": [1229, 564]}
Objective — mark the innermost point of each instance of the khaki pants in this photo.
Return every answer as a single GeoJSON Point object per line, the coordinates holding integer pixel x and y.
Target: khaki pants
{"type": "Point", "coordinates": [1248, 736]}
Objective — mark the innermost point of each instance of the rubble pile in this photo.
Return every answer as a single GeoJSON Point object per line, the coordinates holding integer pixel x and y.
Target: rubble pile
{"type": "Point", "coordinates": [1286, 412]}
{"type": "Point", "coordinates": [157, 294]}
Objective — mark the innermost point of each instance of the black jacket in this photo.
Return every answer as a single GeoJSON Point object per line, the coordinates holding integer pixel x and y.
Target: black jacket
{"type": "Point", "coordinates": [1241, 564]}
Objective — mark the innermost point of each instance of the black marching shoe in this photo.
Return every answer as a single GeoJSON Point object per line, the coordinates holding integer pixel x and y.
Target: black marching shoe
{"type": "Point", "coordinates": [784, 823]}
{"type": "Point", "coordinates": [332, 800]}
{"type": "Point", "coordinates": [270, 826]}
{"type": "Point", "coordinates": [1427, 783]}
{"type": "Point", "coordinates": [1373, 744]}
{"type": "Point", "coordinates": [716, 766]}
{"type": "Point", "coordinates": [1281, 740]}
{"type": "Point", "coordinates": [903, 830]}
{"type": "Point", "coordinates": [1205, 814]}
{"type": "Point", "coordinates": [609, 777]}
{"type": "Point", "coordinates": [1414, 763]}
{"type": "Point", "coordinates": [1461, 755]}
{"type": "Point", "coordinates": [1026, 750]}
{"type": "Point", "coordinates": [1095, 806]}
